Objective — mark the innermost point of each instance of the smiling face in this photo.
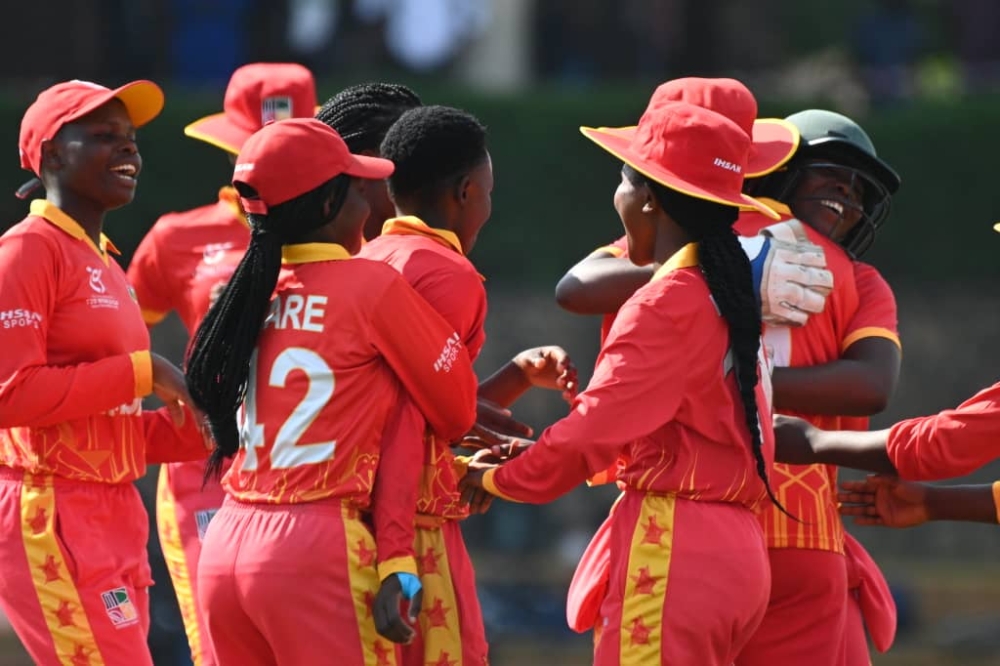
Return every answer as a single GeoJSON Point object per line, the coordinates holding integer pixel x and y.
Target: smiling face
{"type": "Point", "coordinates": [96, 157]}
{"type": "Point", "coordinates": [828, 198]}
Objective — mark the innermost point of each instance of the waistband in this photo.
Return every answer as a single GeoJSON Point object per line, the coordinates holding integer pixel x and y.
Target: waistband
{"type": "Point", "coordinates": [45, 480]}
{"type": "Point", "coordinates": [629, 490]}
{"type": "Point", "coordinates": [426, 521]}
{"type": "Point", "coordinates": [327, 504]}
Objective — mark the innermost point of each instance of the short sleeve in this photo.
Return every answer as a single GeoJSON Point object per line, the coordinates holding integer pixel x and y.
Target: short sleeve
{"type": "Point", "coordinates": [876, 315]}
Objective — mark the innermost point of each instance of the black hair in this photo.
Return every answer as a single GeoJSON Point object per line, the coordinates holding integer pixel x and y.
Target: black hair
{"type": "Point", "coordinates": [431, 146]}
{"type": "Point", "coordinates": [218, 365]}
{"type": "Point", "coordinates": [362, 114]}
{"type": "Point", "coordinates": [727, 271]}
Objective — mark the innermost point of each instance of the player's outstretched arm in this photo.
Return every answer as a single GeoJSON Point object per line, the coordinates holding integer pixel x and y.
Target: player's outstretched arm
{"type": "Point", "coordinates": [600, 283]}
{"type": "Point", "coordinates": [891, 502]}
{"type": "Point", "coordinates": [542, 367]}
{"type": "Point", "coordinates": [797, 442]}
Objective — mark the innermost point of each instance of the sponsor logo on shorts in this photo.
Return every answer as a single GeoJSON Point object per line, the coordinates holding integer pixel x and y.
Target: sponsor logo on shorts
{"type": "Point", "coordinates": [119, 607]}
{"type": "Point", "coordinates": [203, 518]}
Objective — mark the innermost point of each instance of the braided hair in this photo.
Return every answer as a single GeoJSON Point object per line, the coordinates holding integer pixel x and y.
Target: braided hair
{"type": "Point", "coordinates": [727, 271]}
{"type": "Point", "coordinates": [218, 365]}
{"type": "Point", "coordinates": [362, 114]}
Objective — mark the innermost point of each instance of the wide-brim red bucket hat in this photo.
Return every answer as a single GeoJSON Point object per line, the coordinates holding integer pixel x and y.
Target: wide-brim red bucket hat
{"type": "Point", "coordinates": [774, 141]}
{"type": "Point", "coordinates": [689, 149]}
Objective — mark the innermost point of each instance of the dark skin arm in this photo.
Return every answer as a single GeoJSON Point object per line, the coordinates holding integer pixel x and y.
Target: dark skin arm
{"type": "Point", "coordinates": [859, 383]}
{"type": "Point", "coordinates": [797, 442]}
{"type": "Point", "coordinates": [542, 367]}
{"type": "Point", "coordinates": [891, 502]}
{"type": "Point", "coordinates": [601, 283]}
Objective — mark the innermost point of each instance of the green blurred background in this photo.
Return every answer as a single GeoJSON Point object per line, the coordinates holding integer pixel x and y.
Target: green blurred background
{"type": "Point", "coordinates": [920, 76]}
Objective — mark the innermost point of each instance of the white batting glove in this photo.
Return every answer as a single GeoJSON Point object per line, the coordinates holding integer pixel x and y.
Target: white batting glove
{"type": "Point", "coordinates": [789, 272]}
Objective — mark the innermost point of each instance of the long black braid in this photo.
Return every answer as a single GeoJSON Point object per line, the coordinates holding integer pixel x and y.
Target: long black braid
{"type": "Point", "coordinates": [362, 114]}
{"type": "Point", "coordinates": [218, 365]}
{"type": "Point", "coordinates": [727, 270]}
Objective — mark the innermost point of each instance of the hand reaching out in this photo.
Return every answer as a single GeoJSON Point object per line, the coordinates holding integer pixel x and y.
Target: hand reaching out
{"type": "Point", "coordinates": [884, 500]}
{"type": "Point", "coordinates": [790, 273]}
{"type": "Point", "coordinates": [549, 367]}
{"type": "Point", "coordinates": [494, 425]}
{"type": "Point", "coordinates": [793, 440]}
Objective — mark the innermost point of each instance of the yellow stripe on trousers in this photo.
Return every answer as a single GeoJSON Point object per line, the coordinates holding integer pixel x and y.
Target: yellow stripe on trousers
{"type": "Point", "coordinates": [646, 585]}
{"type": "Point", "coordinates": [173, 554]}
{"type": "Point", "coordinates": [439, 623]}
{"type": "Point", "coordinates": [64, 614]}
{"type": "Point", "coordinates": [364, 581]}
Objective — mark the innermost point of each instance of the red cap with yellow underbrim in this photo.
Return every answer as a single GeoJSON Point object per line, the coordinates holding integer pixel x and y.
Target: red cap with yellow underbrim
{"type": "Point", "coordinates": [288, 158]}
{"type": "Point", "coordinates": [71, 100]}
{"type": "Point", "coordinates": [257, 94]}
{"type": "Point", "coordinates": [687, 148]}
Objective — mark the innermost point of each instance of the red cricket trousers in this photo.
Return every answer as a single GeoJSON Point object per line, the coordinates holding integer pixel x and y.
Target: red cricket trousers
{"type": "Point", "coordinates": [806, 618]}
{"type": "Point", "coordinates": [451, 622]}
{"type": "Point", "coordinates": [183, 510]}
{"type": "Point", "coordinates": [291, 584]}
{"type": "Point", "coordinates": [75, 573]}
{"type": "Point", "coordinates": [688, 583]}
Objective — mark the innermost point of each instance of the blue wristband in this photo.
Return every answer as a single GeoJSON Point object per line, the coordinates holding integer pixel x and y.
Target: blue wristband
{"type": "Point", "coordinates": [409, 583]}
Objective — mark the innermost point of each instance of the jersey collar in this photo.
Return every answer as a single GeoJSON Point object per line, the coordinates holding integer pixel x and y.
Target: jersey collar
{"type": "Point", "coordinates": [409, 224]}
{"type": "Point", "coordinates": [307, 253]}
{"type": "Point", "coordinates": [776, 206]}
{"type": "Point", "coordinates": [54, 215]}
{"type": "Point", "coordinates": [686, 257]}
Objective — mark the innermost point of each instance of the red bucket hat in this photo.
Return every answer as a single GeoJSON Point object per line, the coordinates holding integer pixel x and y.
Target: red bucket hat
{"type": "Point", "coordinates": [687, 148]}
{"type": "Point", "coordinates": [774, 140]}
{"type": "Point", "coordinates": [257, 94]}
{"type": "Point", "coordinates": [65, 102]}
{"type": "Point", "coordinates": [288, 158]}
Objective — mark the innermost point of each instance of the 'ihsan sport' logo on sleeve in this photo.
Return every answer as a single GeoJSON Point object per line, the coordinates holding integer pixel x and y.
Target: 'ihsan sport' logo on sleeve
{"type": "Point", "coordinates": [448, 355]}
{"type": "Point", "coordinates": [20, 318]}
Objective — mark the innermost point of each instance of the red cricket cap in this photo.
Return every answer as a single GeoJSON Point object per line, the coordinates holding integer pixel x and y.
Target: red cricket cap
{"type": "Point", "coordinates": [774, 140]}
{"type": "Point", "coordinates": [68, 101]}
{"type": "Point", "coordinates": [290, 157]}
{"type": "Point", "coordinates": [257, 94]}
{"type": "Point", "coordinates": [687, 148]}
